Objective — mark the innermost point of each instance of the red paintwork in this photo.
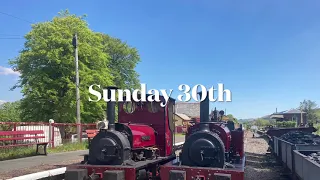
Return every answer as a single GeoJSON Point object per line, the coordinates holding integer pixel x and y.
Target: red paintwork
{"type": "Point", "coordinates": [17, 133]}
{"type": "Point", "coordinates": [17, 136]}
{"type": "Point", "coordinates": [221, 129]}
{"type": "Point", "coordinates": [237, 142]}
{"type": "Point", "coordinates": [140, 130]}
{"type": "Point", "coordinates": [205, 173]}
{"type": "Point", "coordinates": [159, 121]}
{"type": "Point", "coordinates": [168, 134]}
{"type": "Point", "coordinates": [130, 171]}
{"type": "Point", "coordinates": [9, 133]}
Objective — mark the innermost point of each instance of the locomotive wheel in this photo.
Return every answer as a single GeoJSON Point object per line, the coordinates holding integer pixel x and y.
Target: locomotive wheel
{"type": "Point", "coordinates": [203, 149]}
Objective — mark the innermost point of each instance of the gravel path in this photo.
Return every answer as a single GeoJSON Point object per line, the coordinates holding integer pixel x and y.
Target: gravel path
{"type": "Point", "coordinates": [259, 165]}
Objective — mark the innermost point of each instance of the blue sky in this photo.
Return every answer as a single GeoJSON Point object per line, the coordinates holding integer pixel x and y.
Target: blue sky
{"type": "Point", "coordinates": [265, 52]}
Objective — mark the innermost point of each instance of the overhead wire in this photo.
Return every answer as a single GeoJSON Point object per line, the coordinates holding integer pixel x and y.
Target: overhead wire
{"type": "Point", "coordinates": [12, 36]}
{"type": "Point", "coordinates": [15, 17]}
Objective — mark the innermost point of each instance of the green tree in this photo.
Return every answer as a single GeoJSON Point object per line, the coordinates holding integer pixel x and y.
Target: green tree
{"type": "Point", "coordinates": [309, 107]}
{"type": "Point", "coordinates": [235, 120]}
{"type": "Point", "coordinates": [123, 60]}
{"type": "Point", "coordinates": [247, 125]}
{"type": "Point", "coordinates": [262, 123]}
{"type": "Point", "coordinates": [48, 71]}
{"type": "Point", "coordinates": [10, 112]}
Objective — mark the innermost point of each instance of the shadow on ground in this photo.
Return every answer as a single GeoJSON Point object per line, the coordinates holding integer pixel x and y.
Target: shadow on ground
{"type": "Point", "coordinates": [260, 160]}
{"type": "Point", "coordinates": [260, 166]}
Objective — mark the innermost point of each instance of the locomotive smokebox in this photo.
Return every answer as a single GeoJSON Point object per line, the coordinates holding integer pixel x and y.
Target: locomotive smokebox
{"type": "Point", "coordinates": [204, 112]}
{"type": "Point", "coordinates": [203, 147]}
{"type": "Point", "coordinates": [111, 109]}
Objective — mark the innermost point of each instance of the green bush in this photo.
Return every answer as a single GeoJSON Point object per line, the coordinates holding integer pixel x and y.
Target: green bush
{"type": "Point", "coordinates": [286, 124]}
{"type": "Point", "coordinates": [317, 126]}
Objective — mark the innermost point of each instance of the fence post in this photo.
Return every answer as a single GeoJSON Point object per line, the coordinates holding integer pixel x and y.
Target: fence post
{"type": "Point", "coordinates": [14, 129]}
{"type": "Point", "coordinates": [81, 133]}
{"type": "Point", "coordinates": [51, 133]}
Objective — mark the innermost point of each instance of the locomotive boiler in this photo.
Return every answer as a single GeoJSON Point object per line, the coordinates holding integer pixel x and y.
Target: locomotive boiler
{"type": "Point", "coordinates": [209, 143]}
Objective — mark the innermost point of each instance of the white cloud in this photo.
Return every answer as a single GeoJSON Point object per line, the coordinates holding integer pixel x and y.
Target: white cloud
{"type": "Point", "coordinates": [8, 71]}
{"type": "Point", "coordinates": [2, 101]}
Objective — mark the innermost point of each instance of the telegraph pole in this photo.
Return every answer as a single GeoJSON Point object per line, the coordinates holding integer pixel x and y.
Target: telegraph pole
{"type": "Point", "coordinates": [75, 45]}
{"type": "Point", "coordinates": [301, 120]}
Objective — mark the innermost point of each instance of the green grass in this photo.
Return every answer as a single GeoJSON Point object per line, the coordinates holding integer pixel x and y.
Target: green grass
{"type": "Point", "coordinates": [20, 152]}
{"type": "Point", "coordinates": [69, 147]}
{"type": "Point", "coordinates": [179, 134]}
{"type": "Point", "coordinates": [14, 153]}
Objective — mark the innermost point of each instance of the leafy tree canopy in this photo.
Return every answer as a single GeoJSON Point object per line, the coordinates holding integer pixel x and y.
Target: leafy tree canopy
{"type": "Point", "coordinates": [10, 112]}
{"type": "Point", "coordinates": [309, 107]}
{"type": "Point", "coordinates": [47, 69]}
{"type": "Point", "coordinates": [235, 120]}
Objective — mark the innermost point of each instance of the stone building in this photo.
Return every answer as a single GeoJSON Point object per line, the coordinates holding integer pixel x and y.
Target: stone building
{"type": "Point", "coordinates": [191, 109]}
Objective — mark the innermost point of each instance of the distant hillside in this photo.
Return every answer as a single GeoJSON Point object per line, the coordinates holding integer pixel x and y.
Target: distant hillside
{"type": "Point", "coordinates": [245, 120]}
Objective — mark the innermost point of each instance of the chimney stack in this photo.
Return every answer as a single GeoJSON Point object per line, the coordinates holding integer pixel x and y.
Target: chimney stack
{"type": "Point", "coordinates": [204, 113]}
{"type": "Point", "coordinates": [111, 109]}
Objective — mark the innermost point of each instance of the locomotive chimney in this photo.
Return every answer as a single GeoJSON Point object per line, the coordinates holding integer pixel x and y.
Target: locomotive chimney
{"type": "Point", "coordinates": [111, 109]}
{"type": "Point", "coordinates": [204, 113]}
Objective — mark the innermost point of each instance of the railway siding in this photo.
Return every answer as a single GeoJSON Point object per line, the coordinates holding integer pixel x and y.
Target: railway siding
{"type": "Point", "coordinates": [260, 165]}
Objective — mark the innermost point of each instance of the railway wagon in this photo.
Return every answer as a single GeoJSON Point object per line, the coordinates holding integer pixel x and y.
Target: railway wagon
{"type": "Point", "coordinates": [278, 132]}
{"type": "Point", "coordinates": [292, 154]}
{"type": "Point", "coordinates": [306, 168]}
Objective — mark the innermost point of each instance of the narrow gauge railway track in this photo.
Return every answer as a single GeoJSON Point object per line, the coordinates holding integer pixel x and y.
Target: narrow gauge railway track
{"type": "Point", "coordinates": [260, 164]}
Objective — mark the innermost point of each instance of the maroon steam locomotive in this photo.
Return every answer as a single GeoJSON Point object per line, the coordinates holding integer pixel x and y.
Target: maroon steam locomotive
{"type": "Point", "coordinates": [141, 146]}
{"type": "Point", "coordinates": [212, 150]}
{"type": "Point", "coordinates": [133, 148]}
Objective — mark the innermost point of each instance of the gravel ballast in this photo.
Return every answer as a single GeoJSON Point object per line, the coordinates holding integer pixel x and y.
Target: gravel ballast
{"type": "Point", "coordinates": [259, 165]}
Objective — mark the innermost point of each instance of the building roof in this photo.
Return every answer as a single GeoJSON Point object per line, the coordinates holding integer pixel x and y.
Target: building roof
{"type": "Point", "coordinates": [191, 109]}
{"type": "Point", "coordinates": [291, 111]}
{"type": "Point", "coordinates": [276, 116]}
{"type": "Point", "coordinates": [183, 116]}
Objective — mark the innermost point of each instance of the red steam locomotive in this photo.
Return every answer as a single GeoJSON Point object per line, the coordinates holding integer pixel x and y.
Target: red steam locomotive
{"type": "Point", "coordinates": [133, 148]}
{"type": "Point", "coordinates": [212, 150]}
{"type": "Point", "coordinates": [141, 146]}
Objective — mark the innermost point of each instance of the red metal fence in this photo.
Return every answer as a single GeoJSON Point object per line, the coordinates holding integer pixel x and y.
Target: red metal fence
{"type": "Point", "coordinates": [56, 134]}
